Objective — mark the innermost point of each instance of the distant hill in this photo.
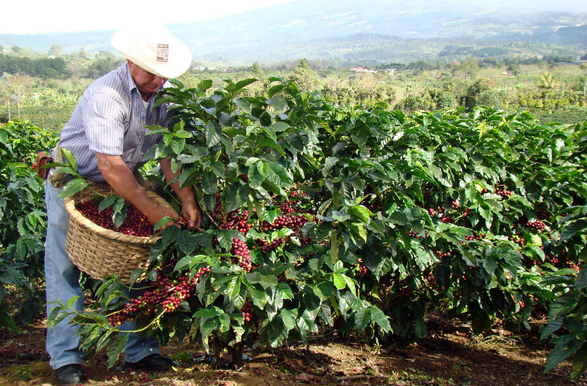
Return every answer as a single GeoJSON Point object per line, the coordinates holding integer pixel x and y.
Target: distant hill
{"type": "Point", "coordinates": [344, 30]}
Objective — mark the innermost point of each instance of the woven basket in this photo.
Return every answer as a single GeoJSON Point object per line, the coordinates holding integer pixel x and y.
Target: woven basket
{"type": "Point", "coordinates": [100, 252]}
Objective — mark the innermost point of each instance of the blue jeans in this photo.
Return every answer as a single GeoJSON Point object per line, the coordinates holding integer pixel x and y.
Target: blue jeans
{"type": "Point", "coordinates": [62, 281]}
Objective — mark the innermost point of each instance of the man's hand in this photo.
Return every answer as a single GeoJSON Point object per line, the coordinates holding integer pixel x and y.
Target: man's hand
{"type": "Point", "coordinates": [159, 212]}
{"type": "Point", "coordinates": [192, 212]}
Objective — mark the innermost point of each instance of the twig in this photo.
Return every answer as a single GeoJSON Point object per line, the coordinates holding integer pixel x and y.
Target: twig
{"type": "Point", "coordinates": [353, 377]}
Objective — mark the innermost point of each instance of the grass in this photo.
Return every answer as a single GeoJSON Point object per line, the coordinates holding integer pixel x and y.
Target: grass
{"type": "Point", "coordinates": [45, 117]}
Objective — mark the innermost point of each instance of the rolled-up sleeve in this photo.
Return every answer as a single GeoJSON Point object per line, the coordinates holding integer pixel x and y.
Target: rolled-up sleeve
{"type": "Point", "coordinates": [104, 123]}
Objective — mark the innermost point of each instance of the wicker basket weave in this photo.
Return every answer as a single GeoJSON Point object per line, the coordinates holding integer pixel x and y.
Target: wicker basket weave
{"type": "Point", "coordinates": [100, 252]}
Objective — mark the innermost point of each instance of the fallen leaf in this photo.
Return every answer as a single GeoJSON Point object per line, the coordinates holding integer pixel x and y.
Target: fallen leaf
{"type": "Point", "coordinates": [305, 377]}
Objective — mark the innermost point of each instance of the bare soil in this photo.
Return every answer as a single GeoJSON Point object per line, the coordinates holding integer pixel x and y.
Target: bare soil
{"type": "Point", "coordinates": [450, 355]}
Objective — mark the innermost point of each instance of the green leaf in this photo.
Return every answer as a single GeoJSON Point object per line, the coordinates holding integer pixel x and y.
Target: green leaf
{"type": "Point", "coordinates": [263, 169]}
{"type": "Point", "coordinates": [72, 301]}
{"type": "Point", "coordinates": [278, 103]}
{"type": "Point", "coordinates": [235, 195]}
{"type": "Point", "coordinates": [69, 157]}
{"type": "Point", "coordinates": [105, 339]}
{"type": "Point", "coordinates": [339, 281]}
{"type": "Point", "coordinates": [255, 178]}
{"type": "Point", "coordinates": [269, 142]}
{"type": "Point", "coordinates": [162, 222]}
{"type": "Point", "coordinates": [205, 85]}
{"type": "Point", "coordinates": [579, 363]}
{"type": "Point", "coordinates": [170, 234]}
{"type": "Point", "coordinates": [278, 175]}
{"type": "Point", "coordinates": [224, 237]}
{"type": "Point", "coordinates": [72, 187]}
{"type": "Point", "coordinates": [360, 212]}
{"type": "Point", "coordinates": [552, 326]}
{"type": "Point", "coordinates": [233, 288]}
{"type": "Point", "coordinates": [119, 213]}
{"type": "Point", "coordinates": [351, 284]}
{"type": "Point", "coordinates": [276, 332]}
{"type": "Point", "coordinates": [208, 312]}
{"type": "Point", "coordinates": [6, 320]}
{"type": "Point", "coordinates": [188, 262]}
{"type": "Point", "coordinates": [563, 304]}
{"type": "Point", "coordinates": [213, 135]}
{"type": "Point", "coordinates": [328, 165]}
{"type": "Point", "coordinates": [399, 218]}
{"type": "Point", "coordinates": [209, 182]}
{"type": "Point", "coordinates": [187, 241]}
{"type": "Point", "coordinates": [289, 318]}
{"type": "Point", "coordinates": [324, 290]}
{"type": "Point", "coordinates": [581, 281]}
{"type": "Point", "coordinates": [362, 318]}
{"type": "Point", "coordinates": [241, 84]}
{"type": "Point", "coordinates": [564, 347]}
{"type": "Point", "coordinates": [280, 126]}
{"type": "Point", "coordinates": [208, 325]}
{"type": "Point", "coordinates": [243, 104]}
{"type": "Point", "coordinates": [420, 328]}
{"type": "Point", "coordinates": [56, 316]}
{"type": "Point", "coordinates": [136, 274]}
{"type": "Point", "coordinates": [383, 321]}
{"type": "Point", "coordinates": [573, 228]}
{"type": "Point", "coordinates": [177, 145]}
{"type": "Point", "coordinates": [108, 201]}
{"type": "Point", "coordinates": [116, 349]}
{"type": "Point", "coordinates": [358, 231]}
{"type": "Point", "coordinates": [21, 248]}
{"type": "Point", "coordinates": [275, 89]}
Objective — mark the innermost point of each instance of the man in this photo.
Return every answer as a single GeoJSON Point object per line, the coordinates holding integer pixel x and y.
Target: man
{"type": "Point", "coordinates": [106, 134]}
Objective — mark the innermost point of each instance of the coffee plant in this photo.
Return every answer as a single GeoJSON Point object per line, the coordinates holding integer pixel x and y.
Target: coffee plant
{"type": "Point", "coordinates": [22, 217]}
{"type": "Point", "coordinates": [321, 217]}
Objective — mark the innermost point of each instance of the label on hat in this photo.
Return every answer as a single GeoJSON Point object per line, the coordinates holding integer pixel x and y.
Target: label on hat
{"type": "Point", "coordinates": [162, 53]}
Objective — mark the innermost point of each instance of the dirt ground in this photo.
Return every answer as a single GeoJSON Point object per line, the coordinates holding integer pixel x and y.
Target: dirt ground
{"type": "Point", "coordinates": [450, 355]}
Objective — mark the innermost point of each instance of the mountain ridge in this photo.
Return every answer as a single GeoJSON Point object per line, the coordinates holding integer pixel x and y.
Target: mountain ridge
{"type": "Point", "coordinates": [325, 29]}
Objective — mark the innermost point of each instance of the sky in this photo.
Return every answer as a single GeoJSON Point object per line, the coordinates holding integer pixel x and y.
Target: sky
{"type": "Point", "coordinates": [42, 16]}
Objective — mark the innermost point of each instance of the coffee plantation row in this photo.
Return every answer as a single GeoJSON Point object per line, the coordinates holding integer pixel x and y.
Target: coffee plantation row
{"type": "Point", "coordinates": [329, 218]}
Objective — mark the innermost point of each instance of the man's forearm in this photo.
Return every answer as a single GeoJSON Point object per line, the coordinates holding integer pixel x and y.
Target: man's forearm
{"type": "Point", "coordinates": [120, 178]}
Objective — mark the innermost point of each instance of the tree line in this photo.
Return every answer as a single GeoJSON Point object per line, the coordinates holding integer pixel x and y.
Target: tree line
{"type": "Point", "coordinates": [41, 67]}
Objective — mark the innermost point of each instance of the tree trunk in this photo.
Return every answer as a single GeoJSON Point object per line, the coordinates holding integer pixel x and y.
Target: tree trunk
{"type": "Point", "coordinates": [237, 354]}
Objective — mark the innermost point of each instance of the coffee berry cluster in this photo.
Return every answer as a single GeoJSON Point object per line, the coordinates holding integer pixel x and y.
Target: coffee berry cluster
{"type": "Point", "coordinates": [233, 220]}
{"type": "Point", "coordinates": [237, 221]}
{"type": "Point", "coordinates": [503, 193]}
{"type": "Point", "coordinates": [266, 246]}
{"type": "Point", "coordinates": [362, 269]}
{"type": "Point", "coordinates": [135, 224]}
{"type": "Point", "coordinates": [293, 222]}
{"type": "Point", "coordinates": [241, 250]}
{"type": "Point", "coordinates": [247, 311]}
{"type": "Point", "coordinates": [536, 224]}
{"type": "Point", "coordinates": [167, 295]}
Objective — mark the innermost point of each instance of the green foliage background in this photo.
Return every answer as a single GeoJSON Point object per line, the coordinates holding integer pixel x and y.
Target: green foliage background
{"type": "Point", "coordinates": [475, 213]}
{"type": "Point", "coordinates": [404, 178]}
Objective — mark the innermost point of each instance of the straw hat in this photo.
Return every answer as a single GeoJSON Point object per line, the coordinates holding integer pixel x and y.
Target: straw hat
{"type": "Point", "coordinates": [154, 49]}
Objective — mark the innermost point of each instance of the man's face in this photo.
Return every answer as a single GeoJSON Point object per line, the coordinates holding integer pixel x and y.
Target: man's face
{"type": "Point", "coordinates": [146, 82]}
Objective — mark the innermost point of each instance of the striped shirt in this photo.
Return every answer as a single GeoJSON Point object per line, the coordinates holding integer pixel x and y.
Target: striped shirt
{"type": "Point", "coordinates": [110, 118]}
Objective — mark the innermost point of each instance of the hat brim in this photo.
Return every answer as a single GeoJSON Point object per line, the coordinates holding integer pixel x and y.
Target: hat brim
{"type": "Point", "coordinates": [142, 53]}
